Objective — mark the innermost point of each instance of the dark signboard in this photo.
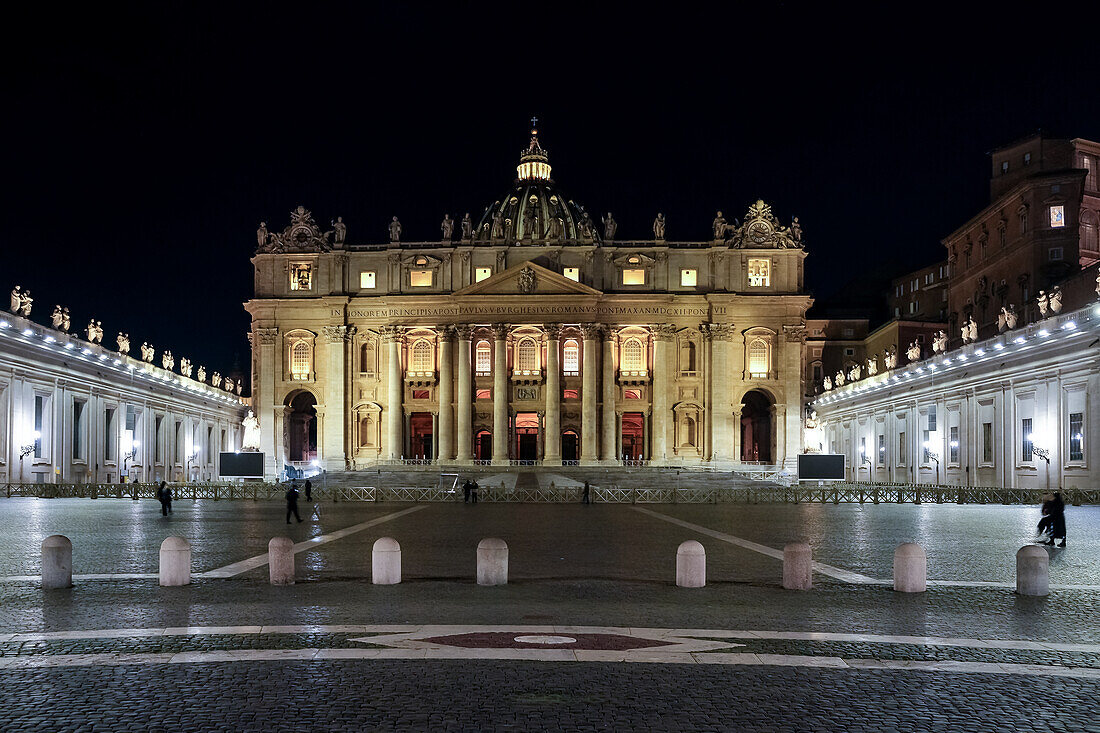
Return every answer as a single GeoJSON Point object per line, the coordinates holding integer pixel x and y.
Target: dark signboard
{"type": "Point", "coordinates": [820, 467]}
{"type": "Point", "coordinates": [241, 465]}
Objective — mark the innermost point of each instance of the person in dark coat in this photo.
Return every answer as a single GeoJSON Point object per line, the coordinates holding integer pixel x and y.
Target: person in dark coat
{"type": "Point", "coordinates": [467, 487]}
{"type": "Point", "coordinates": [473, 493]}
{"type": "Point", "coordinates": [164, 495]}
{"type": "Point", "coordinates": [309, 490]}
{"type": "Point", "coordinates": [1046, 523]}
{"type": "Point", "coordinates": [292, 504]}
{"type": "Point", "coordinates": [1058, 519]}
{"type": "Point", "coordinates": [586, 497]}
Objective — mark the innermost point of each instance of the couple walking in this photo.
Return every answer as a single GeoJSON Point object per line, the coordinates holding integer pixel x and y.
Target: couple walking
{"type": "Point", "coordinates": [1053, 524]}
{"type": "Point", "coordinates": [292, 499]}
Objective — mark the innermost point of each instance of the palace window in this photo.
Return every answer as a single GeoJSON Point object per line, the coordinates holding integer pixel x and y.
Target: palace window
{"type": "Point", "coordinates": [367, 358]}
{"type": "Point", "coordinates": [901, 448]}
{"type": "Point", "coordinates": [1022, 213]}
{"type": "Point", "coordinates": [953, 444]}
{"type": "Point", "coordinates": [987, 442]}
{"type": "Point", "coordinates": [687, 357]}
{"type": "Point", "coordinates": [1077, 436]}
{"type": "Point", "coordinates": [39, 411]}
{"type": "Point", "coordinates": [108, 436]}
{"type": "Point", "coordinates": [571, 364]}
{"type": "Point", "coordinates": [1057, 217]}
{"type": "Point", "coordinates": [1054, 254]}
{"type": "Point", "coordinates": [527, 357]}
{"type": "Point", "coordinates": [420, 278]}
{"type": "Point", "coordinates": [481, 273]}
{"type": "Point", "coordinates": [688, 278]}
{"type": "Point", "coordinates": [78, 430]}
{"type": "Point", "coordinates": [633, 277]}
{"type": "Point", "coordinates": [301, 360]}
{"type": "Point", "coordinates": [632, 394]}
{"type": "Point", "coordinates": [882, 449]}
{"type": "Point", "coordinates": [483, 394]}
{"type": "Point", "coordinates": [633, 356]}
{"type": "Point", "coordinates": [483, 357]}
{"type": "Point", "coordinates": [570, 394]}
{"type": "Point", "coordinates": [1027, 445]}
{"type": "Point", "coordinates": [421, 394]}
{"type": "Point", "coordinates": [758, 358]}
{"type": "Point", "coordinates": [760, 273]}
{"type": "Point", "coordinates": [573, 273]}
{"type": "Point", "coordinates": [301, 276]}
{"type": "Point", "coordinates": [367, 280]}
{"type": "Point", "coordinates": [421, 361]}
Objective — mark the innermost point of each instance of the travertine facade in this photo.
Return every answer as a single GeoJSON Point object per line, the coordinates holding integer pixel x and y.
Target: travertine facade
{"type": "Point", "coordinates": [525, 335]}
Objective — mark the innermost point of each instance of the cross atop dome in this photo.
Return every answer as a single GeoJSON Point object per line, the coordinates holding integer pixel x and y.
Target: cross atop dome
{"type": "Point", "coordinates": [534, 162]}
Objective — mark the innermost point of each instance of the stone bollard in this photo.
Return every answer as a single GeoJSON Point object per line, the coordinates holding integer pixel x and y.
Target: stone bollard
{"type": "Point", "coordinates": [691, 565]}
{"type": "Point", "coordinates": [175, 562]}
{"type": "Point", "coordinates": [492, 562]}
{"type": "Point", "coordinates": [280, 560]}
{"type": "Point", "coordinates": [1032, 571]}
{"type": "Point", "coordinates": [797, 566]}
{"type": "Point", "coordinates": [57, 562]}
{"type": "Point", "coordinates": [910, 568]}
{"type": "Point", "coordinates": [386, 562]}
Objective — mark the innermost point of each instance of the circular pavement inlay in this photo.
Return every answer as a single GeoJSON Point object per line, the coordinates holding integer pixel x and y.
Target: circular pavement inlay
{"type": "Point", "coordinates": [538, 639]}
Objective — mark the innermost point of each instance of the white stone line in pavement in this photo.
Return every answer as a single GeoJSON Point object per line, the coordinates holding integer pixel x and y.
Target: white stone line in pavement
{"type": "Point", "coordinates": [252, 563]}
{"type": "Point", "coordinates": [84, 576]}
{"type": "Point", "coordinates": [542, 655]}
{"type": "Point", "coordinates": [833, 572]}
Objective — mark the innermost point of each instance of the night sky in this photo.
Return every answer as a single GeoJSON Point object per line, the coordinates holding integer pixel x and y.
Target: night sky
{"type": "Point", "coordinates": [143, 146]}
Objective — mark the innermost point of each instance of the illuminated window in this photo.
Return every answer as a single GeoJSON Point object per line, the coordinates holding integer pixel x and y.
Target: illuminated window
{"type": "Point", "coordinates": [527, 356]}
{"type": "Point", "coordinates": [483, 357]}
{"type": "Point", "coordinates": [632, 394]}
{"type": "Point", "coordinates": [483, 394]}
{"type": "Point", "coordinates": [420, 278]}
{"type": "Point", "coordinates": [633, 356]}
{"type": "Point", "coordinates": [1057, 217]}
{"type": "Point", "coordinates": [573, 273]}
{"type": "Point", "coordinates": [572, 362]}
{"type": "Point", "coordinates": [633, 277]}
{"type": "Point", "coordinates": [301, 276]}
{"type": "Point", "coordinates": [300, 360]}
{"type": "Point", "coordinates": [1054, 254]}
{"type": "Point", "coordinates": [760, 273]}
{"type": "Point", "coordinates": [421, 361]}
{"type": "Point", "coordinates": [1077, 436]}
{"type": "Point", "coordinates": [481, 273]}
{"type": "Point", "coordinates": [1025, 433]}
{"type": "Point", "coordinates": [687, 278]}
{"type": "Point", "coordinates": [366, 280]}
{"type": "Point", "coordinates": [421, 394]}
{"type": "Point", "coordinates": [758, 358]}
{"type": "Point", "coordinates": [571, 394]}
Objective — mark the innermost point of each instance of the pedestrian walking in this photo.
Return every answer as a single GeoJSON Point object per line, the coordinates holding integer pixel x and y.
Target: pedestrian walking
{"type": "Point", "coordinates": [309, 490]}
{"type": "Point", "coordinates": [292, 504]}
{"type": "Point", "coordinates": [473, 493]}
{"type": "Point", "coordinates": [586, 497]}
{"type": "Point", "coordinates": [164, 494]}
{"type": "Point", "coordinates": [467, 487]}
{"type": "Point", "coordinates": [1058, 519]}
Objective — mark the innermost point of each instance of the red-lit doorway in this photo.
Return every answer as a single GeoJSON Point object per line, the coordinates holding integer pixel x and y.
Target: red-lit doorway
{"type": "Point", "coordinates": [420, 435]}
{"type": "Point", "coordinates": [633, 436]}
{"type": "Point", "coordinates": [483, 445]}
{"type": "Point", "coordinates": [527, 436]}
{"type": "Point", "coordinates": [757, 430]}
{"type": "Point", "coordinates": [570, 446]}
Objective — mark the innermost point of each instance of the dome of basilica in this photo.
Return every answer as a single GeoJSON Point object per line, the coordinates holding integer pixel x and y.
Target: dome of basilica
{"type": "Point", "coordinates": [534, 211]}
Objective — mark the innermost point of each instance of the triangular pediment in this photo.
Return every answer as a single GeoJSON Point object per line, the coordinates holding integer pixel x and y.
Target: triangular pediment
{"type": "Point", "coordinates": [527, 278]}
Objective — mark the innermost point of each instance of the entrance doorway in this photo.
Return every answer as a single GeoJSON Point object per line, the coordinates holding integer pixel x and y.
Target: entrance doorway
{"type": "Point", "coordinates": [633, 436]}
{"type": "Point", "coordinates": [483, 445]}
{"type": "Point", "coordinates": [570, 446]}
{"type": "Point", "coordinates": [301, 427]}
{"type": "Point", "coordinates": [756, 428]}
{"type": "Point", "coordinates": [527, 436]}
{"type": "Point", "coordinates": [421, 440]}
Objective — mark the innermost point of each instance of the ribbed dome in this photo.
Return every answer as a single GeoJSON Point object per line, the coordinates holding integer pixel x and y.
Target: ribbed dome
{"type": "Point", "coordinates": [534, 212]}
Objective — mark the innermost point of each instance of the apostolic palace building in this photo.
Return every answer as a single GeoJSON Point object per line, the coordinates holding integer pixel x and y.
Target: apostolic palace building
{"type": "Point", "coordinates": [530, 334]}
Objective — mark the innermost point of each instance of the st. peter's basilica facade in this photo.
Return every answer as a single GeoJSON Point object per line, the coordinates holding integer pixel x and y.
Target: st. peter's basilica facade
{"type": "Point", "coordinates": [529, 335]}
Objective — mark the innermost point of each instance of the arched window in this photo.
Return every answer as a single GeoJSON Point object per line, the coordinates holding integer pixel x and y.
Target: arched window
{"type": "Point", "coordinates": [300, 360]}
{"type": "Point", "coordinates": [483, 357]}
{"type": "Point", "coordinates": [758, 358]}
{"type": "Point", "coordinates": [422, 357]}
{"type": "Point", "coordinates": [633, 356]}
{"type": "Point", "coordinates": [688, 431]}
{"type": "Point", "coordinates": [687, 356]}
{"type": "Point", "coordinates": [366, 357]}
{"type": "Point", "coordinates": [366, 426]}
{"type": "Point", "coordinates": [527, 356]}
{"type": "Point", "coordinates": [1022, 213]}
{"type": "Point", "coordinates": [571, 363]}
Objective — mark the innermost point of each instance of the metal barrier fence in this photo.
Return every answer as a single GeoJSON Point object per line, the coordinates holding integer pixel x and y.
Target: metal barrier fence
{"type": "Point", "coordinates": [837, 493]}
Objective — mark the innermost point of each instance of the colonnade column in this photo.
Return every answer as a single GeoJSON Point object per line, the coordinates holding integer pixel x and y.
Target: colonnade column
{"type": "Point", "coordinates": [608, 451]}
{"type": "Point", "coordinates": [445, 439]}
{"type": "Point", "coordinates": [263, 396]}
{"type": "Point", "coordinates": [552, 432]}
{"type": "Point", "coordinates": [334, 445]}
{"type": "Point", "coordinates": [737, 434]}
{"type": "Point", "coordinates": [465, 396]}
{"type": "Point", "coordinates": [591, 333]}
{"type": "Point", "coordinates": [721, 446]}
{"type": "Point", "coordinates": [661, 385]}
{"type": "Point", "coordinates": [391, 336]}
{"type": "Point", "coordinates": [500, 394]}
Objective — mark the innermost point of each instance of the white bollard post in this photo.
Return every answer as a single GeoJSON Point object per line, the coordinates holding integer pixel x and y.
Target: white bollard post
{"type": "Point", "coordinates": [280, 560]}
{"type": "Point", "coordinates": [797, 566]}
{"type": "Point", "coordinates": [175, 562]}
{"type": "Point", "coordinates": [57, 562]}
{"type": "Point", "coordinates": [386, 562]}
{"type": "Point", "coordinates": [1032, 571]}
{"type": "Point", "coordinates": [691, 565]}
{"type": "Point", "coordinates": [910, 568]}
{"type": "Point", "coordinates": [492, 562]}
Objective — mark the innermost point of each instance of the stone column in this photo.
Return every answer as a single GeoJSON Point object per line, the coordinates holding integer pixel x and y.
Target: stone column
{"type": "Point", "coordinates": [588, 393]}
{"type": "Point", "coordinates": [391, 337]}
{"type": "Point", "coordinates": [663, 335]}
{"type": "Point", "coordinates": [779, 417]}
{"type": "Point", "coordinates": [735, 422]}
{"type": "Point", "coordinates": [552, 431]}
{"type": "Point", "coordinates": [445, 438]}
{"type": "Point", "coordinates": [722, 448]}
{"type": "Point", "coordinates": [790, 374]}
{"type": "Point", "coordinates": [465, 397]}
{"type": "Point", "coordinates": [607, 410]}
{"type": "Point", "coordinates": [271, 431]}
{"type": "Point", "coordinates": [500, 394]}
{"type": "Point", "coordinates": [334, 447]}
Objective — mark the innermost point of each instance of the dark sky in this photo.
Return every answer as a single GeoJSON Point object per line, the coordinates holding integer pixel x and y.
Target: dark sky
{"type": "Point", "coordinates": [142, 146]}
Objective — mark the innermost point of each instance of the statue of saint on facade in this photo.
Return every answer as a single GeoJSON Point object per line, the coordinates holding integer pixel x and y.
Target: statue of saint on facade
{"type": "Point", "coordinates": [659, 227]}
{"type": "Point", "coordinates": [250, 442]}
{"type": "Point", "coordinates": [719, 226]}
{"type": "Point", "coordinates": [261, 235]}
{"type": "Point", "coordinates": [57, 317]}
{"type": "Point", "coordinates": [447, 227]}
{"type": "Point", "coordinates": [66, 320]}
{"type": "Point", "coordinates": [239, 386]}
{"type": "Point", "coordinates": [25, 304]}
{"type": "Point", "coordinates": [1056, 299]}
{"type": "Point", "coordinates": [147, 352]}
{"type": "Point", "coordinates": [913, 352]}
{"type": "Point", "coordinates": [498, 226]}
{"type": "Point", "coordinates": [890, 359]}
{"type": "Point", "coordinates": [854, 373]}
{"type": "Point", "coordinates": [201, 375]}
{"type": "Point", "coordinates": [527, 280]}
{"type": "Point", "coordinates": [167, 360]}
{"type": "Point", "coordinates": [216, 380]}
{"type": "Point", "coordinates": [587, 229]}
{"type": "Point", "coordinates": [1043, 303]}
{"type": "Point", "coordinates": [90, 330]}
{"type": "Point", "coordinates": [839, 378]}
{"type": "Point", "coordinates": [1098, 284]}
{"type": "Point", "coordinates": [1010, 315]}
{"type": "Point", "coordinates": [939, 342]}
{"type": "Point", "coordinates": [530, 223]}
{"type": "Point", "coordinates": [185, 366]}
{"type": "Point", "coordinates": [395, 230]}
{"type": "Point", "coordinates": [796, 230]}
{"type": "Point", "coordinates": [556, 228]}
{"type": "Point", "coordinates": [123, 343]}
{"type": "Point", "coordinates": [827, 384]}
{"type": "Point", "coordinates": [467, 227]}
{"type": "Point", "coordinates": [872, 366]}
{"type": "Point", "coordinates": [339, 230]}
{"type": "Point", "coordinates": [16, 300]}
{"type": "Point", "coordinates": [609, 227]}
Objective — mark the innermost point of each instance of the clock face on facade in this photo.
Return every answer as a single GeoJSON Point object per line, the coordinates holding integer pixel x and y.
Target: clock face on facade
{"type": "Point", "coordinates": [759, 232]}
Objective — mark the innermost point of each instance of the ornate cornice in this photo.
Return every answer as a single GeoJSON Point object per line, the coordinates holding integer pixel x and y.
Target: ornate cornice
{"type": "Point", "coordinates": [591, 331]}
{"type": "Point", "coordinates": [391, 334]}
{"type": "Point", "coordinates": [267, 335]}
{"type": "Point", "coordinates": [717, 331]}
{"type": "Point", "coordinates": [447, 333]}
{"type": "Point", "coordinates": [553, 331]}
{"type": "Point", "coordinates": [795, 334]}
{"type": "Point", "coordinates": [337, 334]}
{"type": "Point", "coordinates": [500, 330]}
{"type": "Point", "coordinates": [464, 332]}
{"type": "Point", "coordinates": [664, 332]}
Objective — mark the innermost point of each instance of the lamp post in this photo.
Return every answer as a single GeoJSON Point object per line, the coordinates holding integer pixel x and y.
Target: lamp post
{"type": "Point", "coordinates": [933, 456]}
{"type": "Point", "coordinates": [28, 446]}
{"type": "Point", "coordinates": [1043, 453]}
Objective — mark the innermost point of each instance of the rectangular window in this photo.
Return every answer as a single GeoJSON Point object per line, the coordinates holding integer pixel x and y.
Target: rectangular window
{"type": "Point", "coordinates": [1027, 158]}
{"type": "Point", "coordinates": [301, 276]}
{"type": "Point", "coordinates": [882, 449]}
{"type": "Point", "coordinates": [687, 278]}
{"type": "Point", "coordinates": [39, 410]}
{"type": "Point", "coordinates": [760, 273]}
{"type": "Point", "coordinates": [157, 455]}
{"type": "Point", "coordinates": [481, 273]}
{"type": "Point", "coordinates": [926, 447]}
{"type": "Point", "coordinates": [1057, 217]}
{"type": "Point", "coordinates": [987, 442]}
{"type": "Point", "coordinates": [483, 394]}
{"type": "Point", "coordinates": [1025, 432]}
{"type": "Point", "coordinates": [912, 307]}
{"type": "Point", "coordinates": [78, 430]}
{"type": "Point", "coordinates": [633, 277]}
{"type": "Point", "coordinates": [901, 448]}
{"type": "Point", "coordinates": [863, 449]}
{"type": "Point", "coordinates": [1004, 167]}
{"type": "Point", "coordinates": [1089, 164]}
{"type": "Point", "coordinates": [1054, 254]}
{"type": "Point", "coordinates": [1077, 436]}
{"type": "Point", "coordinates": [571, 394]}
{"type": "Point", "coordinates": [421, 394]}
{"type": "Point", "coordinates": [848, 332]}
{"type": "Point", "coordinates": [928, 276]}
{"type": "Point", "coordinates": [953, 444]}
{"type": "Point", "coordinates": [573, 273]}
{"type": "Point", "coordinates": [932, 418]}
{"type": "Point", "coordinates": [420, 278]}
{"type": "Point", "coordinates": [367, 280]}
{"type": "Point", "coordinates": [849, 352]}
{"type": "Point", "coordinates": [109, 434]}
